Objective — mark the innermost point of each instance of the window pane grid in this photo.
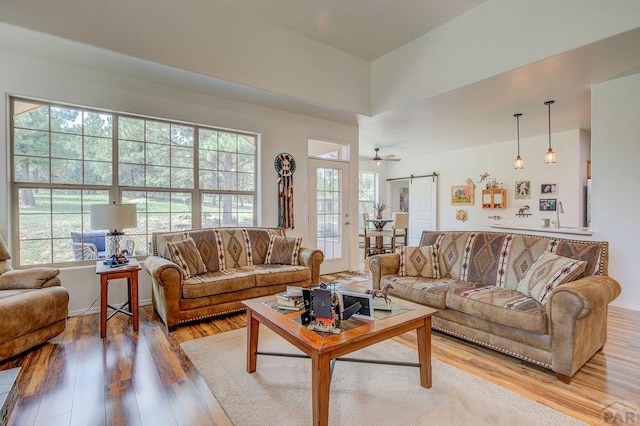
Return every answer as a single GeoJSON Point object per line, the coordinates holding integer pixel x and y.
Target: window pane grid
{"type": "Point", "coordinates": [328, 232]}
{"type": "Point", "coordinates": [63, 153]}
{"type": "Point", "coordinates": [224, 163]}
{"type": "Point", "coordinates": [367, 191]}
{"type": "Point", "coordinates": [58, 152]}
{"type": "Point", "coordinates": [227, 210]}
{"type": "Point", "coordinates": [156, 154]}
{"type": "Point", "coordinates": [46, 219]}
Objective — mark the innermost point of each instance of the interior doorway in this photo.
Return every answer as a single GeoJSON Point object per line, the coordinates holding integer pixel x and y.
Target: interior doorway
{"type": "Point", "coordinates": [418, 196]}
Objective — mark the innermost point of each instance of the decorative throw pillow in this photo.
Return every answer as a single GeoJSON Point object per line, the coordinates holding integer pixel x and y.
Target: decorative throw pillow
{"type": "Point", "coordinates": [420, 261]}
{"type": "Point", "coordinates": [234, 248]}
{"type": "Point", "coordinates": [186, 255]}
{"type": "Point", "coordinates": [548, 272]}
{"type": "Point", "coordinates": [283, 250]}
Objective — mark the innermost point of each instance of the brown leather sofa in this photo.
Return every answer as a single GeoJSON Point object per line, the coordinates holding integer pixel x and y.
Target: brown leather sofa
{"type": "Point", "coordinates": [234, 259]}
{"type": "Point", "coordinates": [33, 306]}
{"type": "Point", "coordinates": [479, 296]}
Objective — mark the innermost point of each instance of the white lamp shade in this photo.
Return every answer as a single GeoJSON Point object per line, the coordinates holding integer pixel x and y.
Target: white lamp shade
{"type": "Point", "coordinates": [113, 217]}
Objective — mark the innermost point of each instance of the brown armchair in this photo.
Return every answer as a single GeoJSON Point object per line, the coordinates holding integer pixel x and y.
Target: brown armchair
{"type": "Point", "coordinates": [33, 306]}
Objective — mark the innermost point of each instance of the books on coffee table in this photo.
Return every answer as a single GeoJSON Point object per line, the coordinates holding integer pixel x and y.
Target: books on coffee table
{"type": "Point", "coordinates": [286, 299]}
{"type": "Point", "coordinates": [289, 301]}
{"type": "Point", "coordinates": [277, 306]}
{"type": "Point", "coordinates": [290, 308]}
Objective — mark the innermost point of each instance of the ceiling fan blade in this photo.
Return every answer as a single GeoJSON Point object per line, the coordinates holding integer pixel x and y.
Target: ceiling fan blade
{"type": "Point", "coordinates": [389, 157]}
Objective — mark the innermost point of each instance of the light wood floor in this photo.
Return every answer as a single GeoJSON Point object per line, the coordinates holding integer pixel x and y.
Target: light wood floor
{"type": "Point", "coordinates": [144, 378]}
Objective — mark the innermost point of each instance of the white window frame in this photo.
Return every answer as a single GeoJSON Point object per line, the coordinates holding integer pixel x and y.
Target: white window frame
{"type": "Point", "coordinates": [188, 216]}
{"type": "Point", "coordinates": [367, 202]}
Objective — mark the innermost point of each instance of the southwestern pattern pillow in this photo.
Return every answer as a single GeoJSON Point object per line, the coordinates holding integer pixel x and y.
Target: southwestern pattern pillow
{"type": "Point", "coordinates": [234, 248]}
{"type": "Point", "coordinates": [420, 261]}
{"type": "Point", "coordinates": [259, 241]}
{"type": "Point", "coordinates": [283, 250]}
{"type": "Point", "coordinates": [186, 255]}
{"type": "Point", "coordinates": [547, 273]}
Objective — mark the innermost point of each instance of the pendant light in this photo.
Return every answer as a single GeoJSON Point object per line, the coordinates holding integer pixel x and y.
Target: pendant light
{"type": "Point", "coordinates": [550, 157]}
{"type": "Point", "coordinates": [518, 164]}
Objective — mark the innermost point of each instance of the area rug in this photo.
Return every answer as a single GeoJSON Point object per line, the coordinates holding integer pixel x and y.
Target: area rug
{"type": "Point", "coordinates": [279, 392]}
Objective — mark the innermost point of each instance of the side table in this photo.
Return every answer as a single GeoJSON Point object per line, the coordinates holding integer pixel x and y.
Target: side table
{"type": "Point", "coordinates": [130, 272]}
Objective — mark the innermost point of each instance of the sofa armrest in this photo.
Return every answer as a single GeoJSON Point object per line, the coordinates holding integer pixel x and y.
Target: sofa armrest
{"type": "Point", "coordinates": [166, 282]}
{"type": "Point", "coordinates": [578, 321]}
{"type": "Point", "coordinates": [584, 296]}
{"type": "Point", "coordinates": [162, 270]}
{"type": "Point", "coordinates": [312, 258]}
{"type": "Point", "coordinates": [383, 264]}
{"type": "Point", "coordinates": [29, 278]}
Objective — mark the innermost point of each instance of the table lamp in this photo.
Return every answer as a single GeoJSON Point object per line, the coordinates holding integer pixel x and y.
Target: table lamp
{"type": "Point", "coordinates": [113, 218]}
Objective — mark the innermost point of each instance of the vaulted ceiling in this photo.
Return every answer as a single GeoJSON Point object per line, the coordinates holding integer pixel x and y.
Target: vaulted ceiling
{"type": "Point", "coordinates": [177, 44]}
{"type": "Point", "coordinates": [368, 29]}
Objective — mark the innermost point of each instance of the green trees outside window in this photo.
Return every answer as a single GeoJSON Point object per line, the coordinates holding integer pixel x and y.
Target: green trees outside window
{"type": "Point", "coordinates": [180, 176]}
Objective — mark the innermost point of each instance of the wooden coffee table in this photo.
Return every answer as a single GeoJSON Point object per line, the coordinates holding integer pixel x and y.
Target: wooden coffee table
{"type": "Point", "coordinates": [323, 348]}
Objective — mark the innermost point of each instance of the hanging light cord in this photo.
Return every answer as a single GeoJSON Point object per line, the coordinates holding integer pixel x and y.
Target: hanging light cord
{"type": "Point", "coordinates": [517, 116]}
{"type": "Point", "coordinates": [548, 103]}
{"type": "Point", "coordinates": [518, 163]}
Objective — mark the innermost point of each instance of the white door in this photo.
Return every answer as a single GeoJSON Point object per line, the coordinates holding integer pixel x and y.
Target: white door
{"type": "Point", "coordinates": [423, 211]}
{"type": "Point", "coordinates": [329, 213]}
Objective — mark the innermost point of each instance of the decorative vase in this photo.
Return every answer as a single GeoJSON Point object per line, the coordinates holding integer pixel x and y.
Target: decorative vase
{"type": "Point", "coordinates": [379, 215]}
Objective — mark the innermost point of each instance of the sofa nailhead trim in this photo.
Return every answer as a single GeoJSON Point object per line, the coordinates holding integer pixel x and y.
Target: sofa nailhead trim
{"type": "Point", "coordinates": [230, 311]}
{"type": "Point", "coordinates": [496, 348]}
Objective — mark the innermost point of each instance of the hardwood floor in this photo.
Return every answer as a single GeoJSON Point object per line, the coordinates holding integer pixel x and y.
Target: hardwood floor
{"type": "Point", "coordinates": [143, 378]}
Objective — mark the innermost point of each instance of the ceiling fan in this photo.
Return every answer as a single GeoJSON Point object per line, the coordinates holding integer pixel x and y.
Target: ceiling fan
{"type": "Point", "coordinates": [377, 159]}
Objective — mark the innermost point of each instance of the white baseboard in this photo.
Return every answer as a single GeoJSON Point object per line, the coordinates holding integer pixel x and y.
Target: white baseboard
{"type": "Point", "coordinates": [632, 307]}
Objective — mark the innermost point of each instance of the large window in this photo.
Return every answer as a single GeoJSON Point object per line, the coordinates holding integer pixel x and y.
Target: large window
{"type": "Point", "coordinates": [367, 194]}
{"type": "Point", "coordinates": [180, 176]}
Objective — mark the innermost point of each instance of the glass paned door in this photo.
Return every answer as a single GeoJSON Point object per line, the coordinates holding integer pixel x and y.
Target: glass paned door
{"type": "Point", "coordinates": [328, 218]}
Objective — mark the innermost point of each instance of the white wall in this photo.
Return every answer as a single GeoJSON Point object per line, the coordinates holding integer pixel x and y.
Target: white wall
{"type": "Point", "coordinates": [208, 38]}
{"type": "Point", "coordinates": [585, 154]}
{"type": "Point", "coordinates": [614, 144]}
{"type": "Point", "coordinates": [615, 135]}
{"type": "Point", "coordinates": [280, 131]}
{"type": "Point", "coordinates": [495, 37]}
{"type": "Point", "coordinates": [496, 159]}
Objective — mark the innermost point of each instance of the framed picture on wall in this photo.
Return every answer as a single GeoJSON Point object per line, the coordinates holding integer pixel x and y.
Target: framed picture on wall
{"type": "Point", "coordinates": [547, 204]}
{"type": "Point", "coordinates": [549, 188]}
{"type": "Point", "coordinates": [523, 189]}
{"type": "Point", "coordinates": [462, 195]}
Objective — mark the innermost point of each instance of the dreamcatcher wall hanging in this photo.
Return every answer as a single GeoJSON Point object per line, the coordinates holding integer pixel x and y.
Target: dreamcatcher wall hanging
{"type": "Point", "coordinates": [285, 166]}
